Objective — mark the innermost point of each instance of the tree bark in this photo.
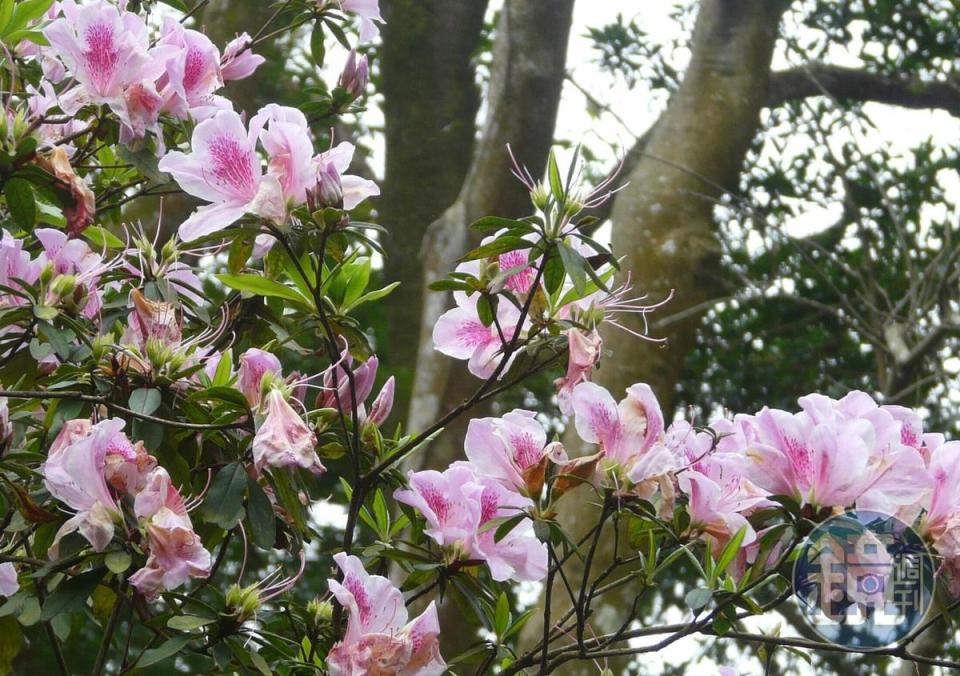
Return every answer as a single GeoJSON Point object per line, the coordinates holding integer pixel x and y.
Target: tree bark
{"type": "Point", "coordinates": [663, 224]}
{"type": "Point", "coordinates": [525, 84]}
{"type": "Point", "coordinates": [861, 85]}
{"type": "Point", "coordinates": [431, 99]}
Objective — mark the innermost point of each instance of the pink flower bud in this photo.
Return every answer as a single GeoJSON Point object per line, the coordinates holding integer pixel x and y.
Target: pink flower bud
{"type": "Point", "coordinates": [383, 404]}
{"type": "Point", "coordinates": [355, 75]}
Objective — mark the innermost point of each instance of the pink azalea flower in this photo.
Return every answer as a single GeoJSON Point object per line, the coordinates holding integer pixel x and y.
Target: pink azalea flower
{"type": "Point", "coordinates": [627, 432]}
{"type": "Point", "coordinates": [238, 60]}
{"type": "Point", "coordinates": [106, 50]}
{"type": "Point", "coordinates": [176, 552]}
{"type": "Point", "coordinates": [151, 320]}
{"type": "Point", "coordinates": [460, 334]}
{"type": "Point", "coordinates": [141, 104]}
{"type": "Point", "coordinates": [355, 75]}
{"type": "Point", "coordinates": [368, 11]}
{"type": "Point", "coordinates": [834, 453]}
{"type": "Point", "coordinates": [192, 70]}
{"type": "Point", "coordinates": [584, 350]}
{"type": "Point", "coordinates": [283, 439]}
{"type": "Point", "coordinates": [6, 428]}
{"type": "Point", "coordinates": [818, 464]}
{"type": "Point", "coordinates": [457, 503]}
{"type": "Point", "coordinates": [254, 363]}
{"type": "Point", "coordinates": [74, 474]}
{"type": "Point", "coordinates": [8, 580]}
{"type": "Point", "coordinates": [943, 509]}
{"type": "Point", "coordinates": [285, 136]}
{"type": "Point", "coordinates": [511, 449]}
{"type": "Point", "coordinates": [379, 640]}
{"type": "Point", "coordinates": [718, 507]}
{"type": "Point", "coordinates": [223, 169]}
{"type": "Point", "coordinates": [127, 470]}
{"type": "Point", "coordinates": [15, 264]}
{"type": "Point", "coordinates": [40, 102]}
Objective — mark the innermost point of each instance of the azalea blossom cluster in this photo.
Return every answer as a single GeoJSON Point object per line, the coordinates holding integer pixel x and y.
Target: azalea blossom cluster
{"type": "Point", "coordinates": [66, 270]}
{"type": "Point", "coordinates": [89, 467]}
{"type": "Point", "coordinates": [225, 169]}
{"type": "Point", "coordinates": [104, 55]}
{"type": "Point", "coordinates": [830, 456]}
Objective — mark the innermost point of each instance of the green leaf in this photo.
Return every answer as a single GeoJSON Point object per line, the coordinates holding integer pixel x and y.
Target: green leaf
{"type": "Point", "coordinates": [501, 617]}
{"type": "Point", "coordinates": [145, 400]}
{"type": "Point", "coordinates": [101, 238]}
{"type": "Point", "coordinates": [553, 175]}
{"type": "Point", "coordinates": [117, 562]}
{"type": "Point", "coordinates": [261, 664]}
{"type": "Point", "coordinates": [224, 368]}
{"type": "Point", "coordinates": [698, 598]}
{"type": "Point", "coordinates": [239, 252]}
{"type": "Point", "coordinates": [177, 4]}
{"type": "Point", "coordinates": [263, 526]}
{"type": "Point", "coordinates": [449, 285]}
{"type": "Point", "coordinates": [21, 202]}
{"type": "Point", "coordinates": [489, 223]}
{"type": "Point", "coordinates": [382, 514]}
{"type": "Point", "coordinates": [167, 649]}
{"type": "Point", "coordinates": [486, 310]}
{"type": "Point", "coordinates": [553, 274]}
{"type": "Point", "coordinates": [26, 12]}
{"type": "Point", "coordinates": [318, 48]}
{"type": "Point", "coordinates": [261, 286]}
{"type": "Point", "coordinates": [575, 265]}
{"type": "Point", "coordinates": [224, 502]}
{"type": "Point", "coordinates": [372, 296]}
{"type": "Point", "coordinates": [6, 13]}
{"type": "Point", "coordinates": [500, 245]}
{"type": "Point", "coordinates": [11, 640]}
{"type": "Point", "coordinates": [728, 554]}
{"type": "Point", "coordinates": [72, 594]}
{"type": "Point", "coordinates": [145, 161]}
{"type": "Point", "coordinates": [188, 622]}
{"type": "Point", "coordinates": [357, 277]}
{"type": "Point", "coordinates": [507, 526]}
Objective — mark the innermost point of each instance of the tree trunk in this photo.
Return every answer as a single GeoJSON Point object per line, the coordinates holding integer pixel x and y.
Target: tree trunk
{"type": "Point", "coordinates": [431, 98]}
{"type": "Point", "coordinates": [525, 84]}
{"type": "Point", "coordinates": [663, 224]}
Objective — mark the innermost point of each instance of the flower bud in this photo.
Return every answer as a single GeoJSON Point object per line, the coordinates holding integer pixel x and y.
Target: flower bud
{"type": "Point", "coordinates": [328, 191]}
{"type": "Point", "coordinates": [63, 285]}
{"type": "Point", "coordinates": [540, 196]}
{"type": "Point", "coordinates": [169, 253]}
{"type": "Point", "coordinates": [243, 601]}
{"type": "Point", "coordinates": [46, 274]}
{"type": "Point", "coordinates": [321, 612]}
{"type": "Point", "coordinates": [355, 75]}
{"type": "Point", "coordinates": [383, 404]}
